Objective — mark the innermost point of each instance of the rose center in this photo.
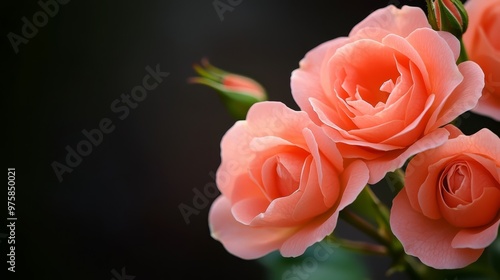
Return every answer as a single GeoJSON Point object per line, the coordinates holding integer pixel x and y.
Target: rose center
{"type": "Point", "coordinates": [376, 94]}
{"type": "Point", "coordinates": [369, 73]}
{"type": "Point", "coordinates": [469, 194]}
{"type": "Point", "coordinates": [455, 182]}
{"type": "Point", "coordinates": [286, 184]}
{"type": "Point", "coordinates": [278, 175]}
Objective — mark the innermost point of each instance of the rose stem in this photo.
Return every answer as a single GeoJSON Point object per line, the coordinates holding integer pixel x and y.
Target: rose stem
{"type": "Point", "coordinates": [357, 246]}
{"type": "Point", "coordinates": [364, 226]}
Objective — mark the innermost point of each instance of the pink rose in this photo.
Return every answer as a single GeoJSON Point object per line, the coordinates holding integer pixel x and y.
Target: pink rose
{"type": "Point", "coordinates": [384, 92]}
{"type": "Point", "coordinates": [482, 43]}
{"type": "Point", "coordinates": [282, 182]}
{"type": "Point", "coordinates": [448, 211]}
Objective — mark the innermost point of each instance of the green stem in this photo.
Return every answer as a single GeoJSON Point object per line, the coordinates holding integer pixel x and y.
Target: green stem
{"type": "Point", "coordinates": [390, 245]}
{"type": "Point", "coordinates": [364, 226]}
{"type": "Point", "coordinates": [382, 212]}
{"type": "Point", "coordinates": [463, 52]}
{"type": "Point", "coordinates": [361, 247]}
{"type": "Point", "coordinates": [413, 268]}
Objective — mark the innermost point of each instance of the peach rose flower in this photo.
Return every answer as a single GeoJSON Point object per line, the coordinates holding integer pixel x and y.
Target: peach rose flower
{"type": "Point", "coordinates": [383, 92]}
{"type": "Point", "coordinates": [482, 42]}
{"type": "Point", "coordinates": [282, 182]}
{"type": "Point", "coordinates": [448, 211]}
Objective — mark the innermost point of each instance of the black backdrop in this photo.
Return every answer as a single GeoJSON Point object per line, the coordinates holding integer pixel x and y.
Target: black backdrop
{"type": "Point", "coordinates": [118, 208]}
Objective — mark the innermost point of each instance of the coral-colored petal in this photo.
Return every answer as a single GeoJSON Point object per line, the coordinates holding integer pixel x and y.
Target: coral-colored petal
{"type": "Point", "coordinates": [305, 81]}
{"type": "Point", "coordinates": [236, 156]}
{"type": "Point", "coordinates": [476, 238]}
{"type": "Point", "coordinates": [240, 240]}
{"type": "Point", "coordinates": [313, 232]}
{"type": "Point", "coordinates": [452, 41]}
{"type": "Point", "coordinates": [271, 118]}
{"type": "Point", "coordinates": [391, 161]}
{"type": "Point", "coordinates": [390, 20]}
{"type": "Point", "coordinates": [311, 203]}
{"type": "Point", "coordinates": [279, 213]}
{"type": "Point", "coordinates": [251, 196]}
{"type": "Point", "coordinates": [427, 239]}
{"type": "Point", "coordinates": [328, 182]}
{"type": "Point", "coordinates": [463, 98]}
{"type": "Point", "coordinates": [354, 178]}
{"type": "Point", "coordinates": [476, 214]}
{"type": "Point", "coordinates": [426, 191]}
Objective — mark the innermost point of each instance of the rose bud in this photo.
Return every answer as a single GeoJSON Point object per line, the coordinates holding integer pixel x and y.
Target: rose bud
{"type": "Point", "coordinates": [448, 15]}
{"type": "Point", "coordinates": [237, 92]}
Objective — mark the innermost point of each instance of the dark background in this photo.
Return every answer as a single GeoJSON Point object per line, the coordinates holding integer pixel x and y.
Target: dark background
{"type": "Point", "coordinates": [119, 207]}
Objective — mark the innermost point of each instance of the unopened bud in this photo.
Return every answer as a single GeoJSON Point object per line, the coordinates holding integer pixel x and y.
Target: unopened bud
{"type": "Point", "coordinates": [237, 92]}
{"type": "Point", "coordinates": [448, 15]}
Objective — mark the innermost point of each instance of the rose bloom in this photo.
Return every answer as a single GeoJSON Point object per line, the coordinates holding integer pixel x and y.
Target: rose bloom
{"type": "Point", "coordinates": [282, 182]}
{"type": "Point", "coordinates": [448, 211]}
{"type": "Point", "coordinates": [383, 92]}
{"type": "Point", "coordinates": [482, 42]}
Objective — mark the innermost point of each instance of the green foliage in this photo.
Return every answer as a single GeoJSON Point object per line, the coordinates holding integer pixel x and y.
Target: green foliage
{"type": "Point", "coordinates": [322, 261]}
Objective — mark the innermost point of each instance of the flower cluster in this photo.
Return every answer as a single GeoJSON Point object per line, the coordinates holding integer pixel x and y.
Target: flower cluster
{"type": "Point", "coordinates": [380, 100]}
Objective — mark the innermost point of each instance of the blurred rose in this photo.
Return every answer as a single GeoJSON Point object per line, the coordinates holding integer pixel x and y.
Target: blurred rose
{"type": "Point", "coordinates": [482, 42]}
{"type": "Point", "coordinates": [448, 211]}
{"type": "Point", "coordinates": [283, 183]}
{"type": "Point", "coordinates": [383, 92]}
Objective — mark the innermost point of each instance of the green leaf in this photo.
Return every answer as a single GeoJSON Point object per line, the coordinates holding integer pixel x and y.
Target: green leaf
{"type": "Point", "coordinates": [322, 261]}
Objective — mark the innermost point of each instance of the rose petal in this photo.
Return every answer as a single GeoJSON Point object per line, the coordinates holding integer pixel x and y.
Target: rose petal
{"type": "Point", "coordinates": [476, 238]}
{"type": "Point", "coordinates": [390, 20]}
{"type": "Point", "coordinates": [412, 131]}
{"type": "Point", "coordinates": [483, 47]}
{"type": "Point", "coordinates": [279, 213]}
{"type": "Point", "coordinates": [236, 155]}
{"type": "Point", "coordinates": [311, 203]}
{"type": "Point", "coordinates": [354, 178]}
{"type": "Point", "coordinates": [423, 195]}
{"type": "Point", "coordinates": [264, 173]}
{"type": "Point", "coordinates": [391, 161]}
{"type": "Point", "coordinates": [327, 173]}
{"type": "Point", "coordinates": [452, 42]}
{"type": "Point", "coordinates": [305, 81]}
{"type": "Point", "coordinates": [241, 240]}
{"type": "Point", "coordinates": [273, 118]}
{"type": "Point", "coordinates": [248, 200]}
{"type": "Point", "coordinates": [328, 149]}
{"type": "Point", "coordinates": [337, 137]}
{"type": "Point", "coordinates": [313, 232]}
{"type": "Point", "coordinates": [463, 98]}
{"type": "Point", "coordinates": [453, 130]}
{"type": "Point", "coordinates": [427, 239]}
{"type": "Point", "coordinates": [476, 214]}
